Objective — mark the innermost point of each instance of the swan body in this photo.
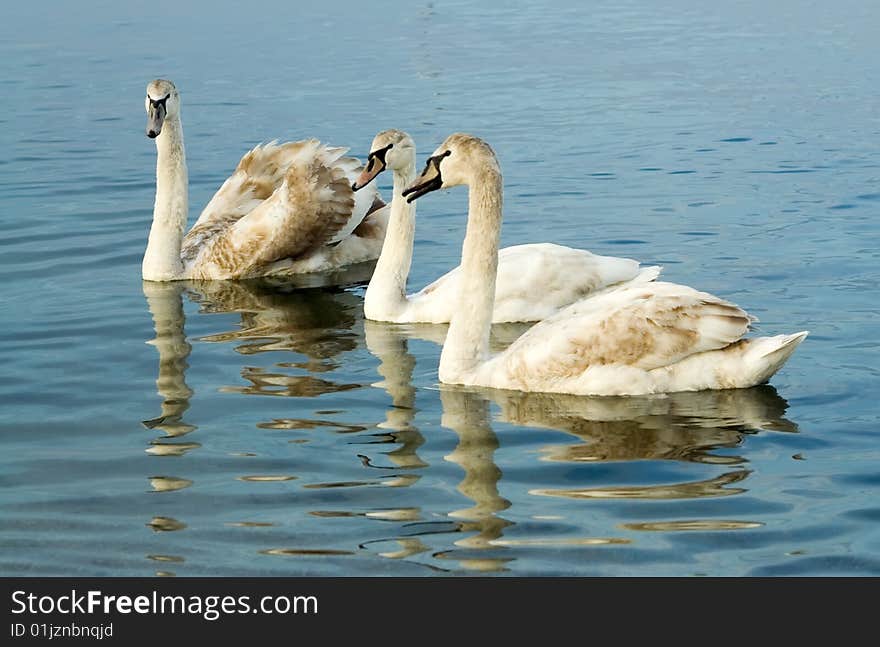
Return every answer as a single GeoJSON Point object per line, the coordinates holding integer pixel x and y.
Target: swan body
{"type": "Point", "coordinates": [653, 337]}
{"type": "Point", "coordinates": [286, 209]}
{"type": "Point", "coordinates": [534, 280]}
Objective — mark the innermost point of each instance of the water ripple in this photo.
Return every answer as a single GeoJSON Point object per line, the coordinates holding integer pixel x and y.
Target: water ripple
{"type": "Point", "coordinates": [265, 428]}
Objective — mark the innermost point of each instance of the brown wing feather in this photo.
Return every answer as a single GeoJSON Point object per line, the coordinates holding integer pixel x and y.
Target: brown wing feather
{"type": "Point", "coordinates": [313, 202]}
{"type": "Point", "coordinates": [322, 198]}
{"type": "Point", "coordinates": [646, 327]}
{"type": "Point", "coordinates": [257, 176]}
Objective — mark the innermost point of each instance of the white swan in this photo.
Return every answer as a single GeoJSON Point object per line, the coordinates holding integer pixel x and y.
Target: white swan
{"type": "Point", "coordinates": [648, 338]}
{"type": "Point", "coordinates": [286, 209]}
{"type": "Point", "coordinates": [534, 281]}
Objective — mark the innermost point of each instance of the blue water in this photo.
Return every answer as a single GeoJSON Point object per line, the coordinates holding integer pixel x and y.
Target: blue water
{"type": "Point", "coordinates": [265, 429]}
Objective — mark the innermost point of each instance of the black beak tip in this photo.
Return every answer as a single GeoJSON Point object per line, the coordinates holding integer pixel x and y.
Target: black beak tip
{"type": "Point", "coordinates": [354, 186]}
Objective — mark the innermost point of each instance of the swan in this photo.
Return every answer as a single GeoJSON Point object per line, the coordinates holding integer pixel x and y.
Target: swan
{"type": "Point", "coordinates": [641, 339]}
{"type": "Point", "coordinates": [534, 280]}
{"type": "Point", "coordinates": [286, 209]}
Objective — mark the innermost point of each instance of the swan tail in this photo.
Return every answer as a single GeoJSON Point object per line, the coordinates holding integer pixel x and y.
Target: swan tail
{"type": "Point", "coordinates": [783, 346]}
{"type": "Point", "coordinates": [740, 365]}
{"type": "Point", "coordinates": [764, 356]}
{"type": "Point", "coordinates": [647, 275]}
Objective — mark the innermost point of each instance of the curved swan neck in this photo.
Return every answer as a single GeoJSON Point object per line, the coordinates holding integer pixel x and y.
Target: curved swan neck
{"type": "Point", "coordinates": [386, 293]}
{"type": "Point", "coordinates": [467, 342]}
{"type": "Point", "coordinates": [162, 257]}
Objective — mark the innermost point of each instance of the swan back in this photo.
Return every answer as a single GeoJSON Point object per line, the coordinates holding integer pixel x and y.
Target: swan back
{"type": "Point", "coordinates": [258, 174]}
{"type": "Point", "coordinates": [645, 326]}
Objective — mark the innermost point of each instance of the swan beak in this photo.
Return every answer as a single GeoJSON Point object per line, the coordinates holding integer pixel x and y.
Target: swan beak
{"type": "Point", "coordinates": [375, 165]}
{"type": "Point", "coordinates": [429, 180]}
{"type": "Point", "coordinates": [155, 119]}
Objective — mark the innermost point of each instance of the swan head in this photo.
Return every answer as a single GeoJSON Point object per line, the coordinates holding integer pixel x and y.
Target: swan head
{"type": "Point", "coordinates": [391, 149]}
{"type": "Point", "coordinates": [460, 159]}
{"type": "Point", "coordinates": [162, 103]}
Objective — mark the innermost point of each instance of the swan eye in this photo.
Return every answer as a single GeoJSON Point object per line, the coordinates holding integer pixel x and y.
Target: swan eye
{"type": "Point", "coordinates": [435, 160]}
{"type": "Point", "coordinates": [377, 156]}
{"type": "Point", "coordinates": [380, 154]}
{"type": "Point", "coordinates": [159, 102]}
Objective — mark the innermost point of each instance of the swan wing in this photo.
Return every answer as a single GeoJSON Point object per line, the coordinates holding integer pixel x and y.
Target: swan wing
{"type": "Point", "coordinates": [534, 282]}
{"type": "Point", "coordinates": [259, 174]}
{"type": "Point", "coordinates": [537, 280]}
{"type": "Point", "coordinates": [313, 202]}
{"type": "Point", "coordinates": [646, 326]}
{"type": "Point", "coordinates": [366, 200]}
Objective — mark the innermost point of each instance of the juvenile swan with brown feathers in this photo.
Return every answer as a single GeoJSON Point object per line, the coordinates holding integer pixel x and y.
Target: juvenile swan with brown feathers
{"type": "Point", "coordinates": [647, 338]}
{"type": "Point", "coordinates": [286, 209]}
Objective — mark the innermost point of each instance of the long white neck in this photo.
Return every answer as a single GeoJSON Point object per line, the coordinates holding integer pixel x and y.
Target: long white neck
{"type": "Point", "coordinates": [386, 294]}
{"type": "Point", "coordinates": [467, 342]}
{"type": "Point", "coordinates": [162, 258]}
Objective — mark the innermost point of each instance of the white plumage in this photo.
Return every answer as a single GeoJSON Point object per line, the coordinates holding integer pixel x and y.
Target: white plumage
{"type": "Point", "coordinates": [286, 209]}
{"type": "Point", "coordinates": [653, 338]}
{"type": "Point", "coordinates": [534, 280]}
{"type": "Point", "coordinates": [644, 338]}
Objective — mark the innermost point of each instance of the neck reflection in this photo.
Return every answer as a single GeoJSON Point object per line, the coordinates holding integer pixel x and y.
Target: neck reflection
{"type": "Point", "coordinates": [396, 366]}
{"type": "Point", "coordinates": [166, 308]}
{"type": "Point", "coordinates": [467, 414]}
{"type": "Point", "coordinates": [700, 435]}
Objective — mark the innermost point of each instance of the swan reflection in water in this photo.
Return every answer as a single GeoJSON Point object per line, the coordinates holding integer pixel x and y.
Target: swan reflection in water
{"type": "Point", "coordinates": [308, 315]}
{"type": "Point", "coordinates": [320, 325]}
{"type": "Point", "coordinates": [166, 308]}
{"type": "Point", "coordinates": [686, 427]}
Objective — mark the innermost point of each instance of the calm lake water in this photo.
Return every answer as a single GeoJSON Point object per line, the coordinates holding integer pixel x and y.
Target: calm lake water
{"type": "Point", "coordinates": [265, 429]}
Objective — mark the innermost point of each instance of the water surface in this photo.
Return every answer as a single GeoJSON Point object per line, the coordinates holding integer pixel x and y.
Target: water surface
{"type": "Point", "coordinates": [265, 428]}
